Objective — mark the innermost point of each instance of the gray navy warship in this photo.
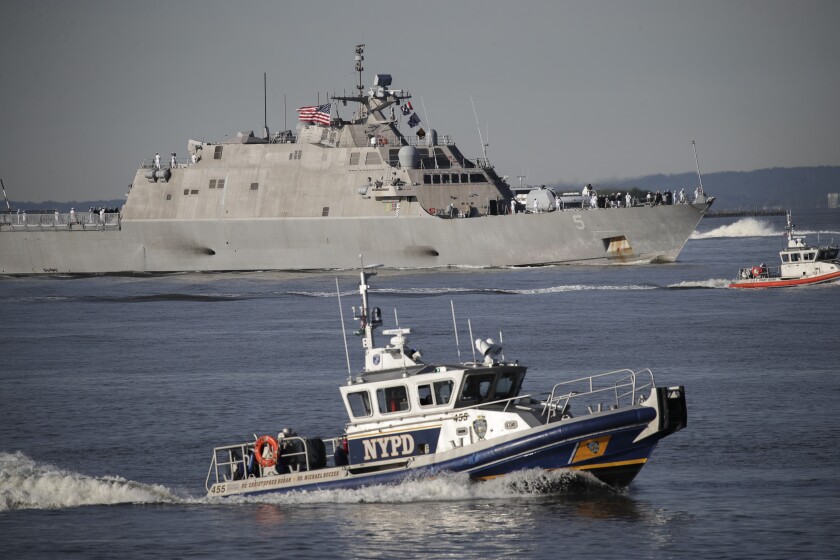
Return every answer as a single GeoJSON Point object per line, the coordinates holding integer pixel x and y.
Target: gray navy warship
{"type": "Point", "coordinates": [318, 197]}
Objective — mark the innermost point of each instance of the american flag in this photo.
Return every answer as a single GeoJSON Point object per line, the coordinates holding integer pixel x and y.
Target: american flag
{"type": "Point", "coordinates": [316, 113]}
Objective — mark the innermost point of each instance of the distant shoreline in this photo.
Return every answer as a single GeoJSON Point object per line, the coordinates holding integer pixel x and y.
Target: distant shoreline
{"type": "Point", "coordinates": [740, 212]}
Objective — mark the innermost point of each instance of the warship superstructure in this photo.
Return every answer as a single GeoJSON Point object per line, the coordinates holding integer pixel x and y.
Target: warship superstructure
{"type": "Point", "coordinates": [318, 196]}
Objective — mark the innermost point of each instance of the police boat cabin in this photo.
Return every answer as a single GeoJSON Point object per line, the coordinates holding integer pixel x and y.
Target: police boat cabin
{"type": "Point", "coordinates": [411, 418]}
{"type": "Point", "coordinates": [801, 265]}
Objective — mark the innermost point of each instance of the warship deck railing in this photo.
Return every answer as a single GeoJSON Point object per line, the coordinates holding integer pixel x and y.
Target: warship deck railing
{"type": "Point", "coordinates": [59, 221]}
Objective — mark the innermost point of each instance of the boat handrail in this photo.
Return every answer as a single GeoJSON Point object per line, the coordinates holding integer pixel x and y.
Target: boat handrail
{"type": "Point", "coordinates": [232, 462]}
{"type": "Point", "coordinates": [748, 272]}
{"type": "Point", "coordinates": [626, 387]}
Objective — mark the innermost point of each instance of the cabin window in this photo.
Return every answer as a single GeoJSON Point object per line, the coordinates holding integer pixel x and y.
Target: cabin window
{"type": "Point", "coordinates": [477, 178]}
{"type": "Point", "coordinates": [220, 184]}
{"type": "Point", "coordinates": [436, 179]}
{"type": "Point", "coordinates": [169, 197]}
{"type": "Point", "coordinates": [465, 178]}
{"type": "Point", "coordinates": [424, 395]}
{"type": "Point", "coordinates": [427, 179]}
{"type": "Point", "coordinates": [485, 387]}
{"type": "Point", "coordinates": [785, 257]}
{"type": "Point", "coordinates": [445, 178]}
{"type": "Point", "coordinates": [443, 391]}
{"type": "Point", "coordinates": [186, 192]}
{"type": "Point", "coordinates": [217, 154]}
{"type": "Point", "coordinates": [827, 254]}
{"type": "Point", "coordinates": [359, 404]}
{"type": "Point", "coordinates": [212, 183]}
{"type": "Point", "coordinates": [325, 211]}
{"type": "Point", "coordinates": [354, 158]}
{"type": "Point", "coordinates": [255, 186]}
{"type": "Point", "coordinates": [194, 191]}
{"type": "Point", "coordinates": [392, 399]}
{"type": "Point", "coordinates": [477, 388]}
{"type": "Point", "coordinates": [809, 256]}
{"type": "Point", "coordinates": [435, 395]}
{"type": "Point", "coordinates": [456, 178]}
{"type": "Point", "coordinates": [794, 257]}
{"type": "Point", "coordinates": [506, 386]}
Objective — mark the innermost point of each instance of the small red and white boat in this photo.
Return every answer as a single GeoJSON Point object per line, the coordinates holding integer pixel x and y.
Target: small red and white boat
{"type": "Point", "coordinates": [801, 264]}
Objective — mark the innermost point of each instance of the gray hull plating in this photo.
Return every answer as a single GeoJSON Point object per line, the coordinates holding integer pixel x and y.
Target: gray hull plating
{"type": "Point", "coordinates": [577, 236]}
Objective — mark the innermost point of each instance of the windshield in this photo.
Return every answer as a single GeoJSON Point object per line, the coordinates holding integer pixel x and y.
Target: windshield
{"type": "Point", "coordinates": [487, 387]}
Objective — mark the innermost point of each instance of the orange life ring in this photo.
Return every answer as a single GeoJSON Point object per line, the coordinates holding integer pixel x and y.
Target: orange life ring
{"type": "Point", "coordinates": [756, 271]}
{"type": "Point", "coordinates": [431, 210]}
{"type": "Point", "coordinates": [271, 460]}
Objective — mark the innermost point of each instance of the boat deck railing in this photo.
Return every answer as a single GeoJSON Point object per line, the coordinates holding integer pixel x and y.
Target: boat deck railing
{"type": "Point", "coordinates": [230, 462]}
{"type": "Point", "coordinates": [60, 221]}
{"type": "Point", "coordinates": [752, 272]}
{"type": "Point", "coordinates": [604, 391]}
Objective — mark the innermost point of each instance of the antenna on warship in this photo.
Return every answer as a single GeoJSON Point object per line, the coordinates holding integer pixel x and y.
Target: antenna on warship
{"type": "Point", "coordinates": [699, 178]}
{"type": "Point", "coordinates": [360, 58]}
{"type": "Point", "coordinates": [265, 106]}
{"type": "Point", "coordinates": [481, 138]}
{"type": "Point", "coordinates": [4, 196]}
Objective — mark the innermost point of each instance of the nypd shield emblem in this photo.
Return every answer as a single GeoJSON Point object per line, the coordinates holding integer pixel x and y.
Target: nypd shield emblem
{"type": "Point", "coordinates": [480, 427]}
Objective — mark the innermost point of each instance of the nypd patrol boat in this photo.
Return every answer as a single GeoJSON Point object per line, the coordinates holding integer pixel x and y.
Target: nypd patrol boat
{"type": "Point", "coordinates": [361, 174]}
{"type": "Point", "coordinates": [801, 265]}
{"type": "Point", "coordinates": [410, 418]}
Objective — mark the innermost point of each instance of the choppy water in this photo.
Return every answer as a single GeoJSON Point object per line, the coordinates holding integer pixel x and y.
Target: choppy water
{"type": "Point", "coordinates": [113, 391]}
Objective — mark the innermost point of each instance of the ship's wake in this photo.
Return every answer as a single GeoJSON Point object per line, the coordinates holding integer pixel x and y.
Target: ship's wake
{"type": "Point", "coordinates": [432, 292]}
{"type": "Point", "coordinates": [711, 283]}
{"type": "Point", "coordinates": [746, 227]}
{"type": "Point", "coordinates": [29, 484]}
{"type": "Point", "coordinates": [450, 487]}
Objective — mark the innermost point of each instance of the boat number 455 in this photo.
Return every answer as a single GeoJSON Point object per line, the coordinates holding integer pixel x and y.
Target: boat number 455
{"type": "Point", "coordinates": [578, 219]}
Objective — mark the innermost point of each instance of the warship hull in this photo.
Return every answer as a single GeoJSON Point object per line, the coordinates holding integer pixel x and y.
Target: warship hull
{"type": "Point", "coordinates": [598, 236]}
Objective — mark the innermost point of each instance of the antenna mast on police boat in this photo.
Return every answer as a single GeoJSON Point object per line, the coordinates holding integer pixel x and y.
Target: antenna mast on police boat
{"type": "Point", "coordinates": [343, 333]}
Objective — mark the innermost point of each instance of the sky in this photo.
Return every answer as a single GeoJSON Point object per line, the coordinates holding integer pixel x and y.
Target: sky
{"type": "Point", "coordinates": [573, 92]}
